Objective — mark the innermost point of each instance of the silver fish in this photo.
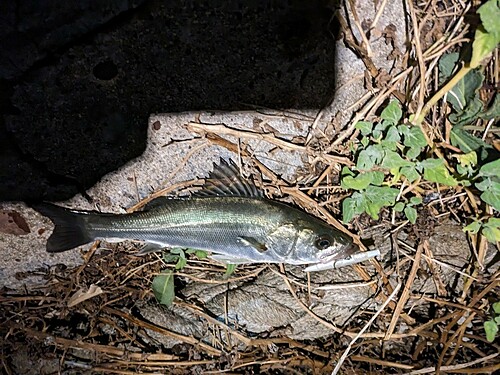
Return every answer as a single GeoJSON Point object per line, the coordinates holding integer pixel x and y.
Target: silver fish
{"type": "Point", "coordinates": [229, 217]}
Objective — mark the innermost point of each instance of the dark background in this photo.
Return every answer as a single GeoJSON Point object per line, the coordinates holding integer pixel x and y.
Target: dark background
{"type": "Point", "coordinates": [78, 80]}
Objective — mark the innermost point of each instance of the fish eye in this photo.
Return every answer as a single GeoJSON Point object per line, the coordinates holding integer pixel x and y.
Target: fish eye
{"type": "Point", "coordinates": [323, 242]}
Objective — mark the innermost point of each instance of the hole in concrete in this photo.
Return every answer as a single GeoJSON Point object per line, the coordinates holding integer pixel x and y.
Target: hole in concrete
{"type": "Point", "coordinates": [105, 70]}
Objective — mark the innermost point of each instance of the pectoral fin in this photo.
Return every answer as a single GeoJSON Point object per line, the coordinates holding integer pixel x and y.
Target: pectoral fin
{"type": "Point", "coordinates": [250, 241]}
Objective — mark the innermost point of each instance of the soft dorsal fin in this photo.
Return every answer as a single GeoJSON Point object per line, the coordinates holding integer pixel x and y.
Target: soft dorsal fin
{"type": "Point", "coordinates": [226, 180]}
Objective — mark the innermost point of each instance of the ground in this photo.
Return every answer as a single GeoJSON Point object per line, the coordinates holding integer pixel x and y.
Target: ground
{"type": "Point", "coordinates": [420, 306]}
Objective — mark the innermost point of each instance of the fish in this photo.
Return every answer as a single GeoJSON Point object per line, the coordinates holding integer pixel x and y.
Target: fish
{"type": "Point", "coordinates": [229, 217]}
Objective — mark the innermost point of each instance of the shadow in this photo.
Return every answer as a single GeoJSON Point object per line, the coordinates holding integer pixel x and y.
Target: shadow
{"type": "Point", "coordinates": [82, 81]}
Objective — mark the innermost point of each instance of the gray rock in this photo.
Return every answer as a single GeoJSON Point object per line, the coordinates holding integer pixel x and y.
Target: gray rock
{"type": "Point", "coordinates": [265, 304]}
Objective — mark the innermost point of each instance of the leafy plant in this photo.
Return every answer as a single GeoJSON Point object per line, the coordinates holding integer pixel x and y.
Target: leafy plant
{"type": "Point", "coordinates": [163, 284]}
{"type": "Point", "coordinates": [491, 326]}
{"type": "Point", "coordinates": [489, 183]}
{"type": "Point", "coordinates": [486, 39]}
{"type": "Point", "coordinates": [389, 153]}
{"type": "Point", "coordinates": [490, 228]}
{"type": "Point", "coordinates": [488, 33]}
{"type": "Point", "coordinates": [178, 256]}
{"type": "Point", "coordinates": [230, 268]}
{"type": "Point", "coordinates": [163, 288]}
{"type": "Point", "coordinates": [408, 209]}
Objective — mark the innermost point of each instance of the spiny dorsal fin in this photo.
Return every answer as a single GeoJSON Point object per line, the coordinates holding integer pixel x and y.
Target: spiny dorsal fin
{"type": "Point", "coordinates": [157, 202]}
{"type": "Point", "coordinates": [226, 180]}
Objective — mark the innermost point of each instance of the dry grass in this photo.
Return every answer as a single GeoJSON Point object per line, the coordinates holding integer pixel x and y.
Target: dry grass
{"type": "Point", "coordinates": [395, 339]}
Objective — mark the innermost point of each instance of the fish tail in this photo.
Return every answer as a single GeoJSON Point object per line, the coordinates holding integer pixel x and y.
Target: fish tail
{"type": "Point", "coordinates": [70, 228]}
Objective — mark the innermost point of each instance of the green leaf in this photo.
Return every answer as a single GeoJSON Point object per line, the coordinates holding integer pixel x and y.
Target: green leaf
{"type": "Point", "coordinates": [181, 263]}
{"type": "Point", "coordinates": [491, 329]}
{"type": "Point", "coordinates": [466, 165]}
{"type": "Point", "coordinates": [490, 169]}
{"type": "Point", "coordinates": [379, 129]}
{"type": "Point", "coordinates": [411, 214]}
{"type": "Point", "coordinates": [462, 171]}
{"type": "Point", "coordinates": [168, 257]}
{"type": "Point", "coordinates": [230, 268]}
{"type": "Point", "coordinates": [360, 182]}
{"type": "Point", "coordinates": [496, 307]}
{"type": "Point", "coordinates": [410, 173]}
{"type": "Point", "coordinates": [491, 195]}
{"type": "Point", "coordinates": [377, 197]}
{"type": "Point", "coordinates": [393, 134]}
{"type": "Point", "coordinates": [413, 152]}
{"type": "Point", "coordinates": [484, 184]}
{"type": "Point", "coordinates": [465, 141]}
{"type": "Point", "coordinates": [415, 201]}
{"type": "Point", "coordinates": [493, 222]}
{"type": "Point", "coordinates": [393, 160]}
{"type": "Point", "coordinates": [493, 111]}
{"type": "Point", "coordinates": [467, 160]}
{"type": "Point", "coordinates": [484, 43]}
{"type": "Point", "coordinates": [348, 210]}
{"type": "Point", "coordinates": [352, 206]}
{"type": "Point", "coordinates": [389, 145]}
{"type": "Point", "coordinates": [392, 113]}
{"type": "Point", "coordinates": [435, 171]}
{"type": "Point", "coordinates": [201, 254]}
{"type": "Point", "coordinates": [469, 114]}
{"type": "Point", "coordinates": [473, 227]}
{"type": "Point", "coordinates": [391, 139]}
{"type": "Point", "coordinates": [399, 207]}
{"type": "Point", "coordinates": [163, 288]}
{"type": "Point", "coordinates": [346, 171]}
{"type": "Point", "coordinates": [413, 136]}
{"type": "Point", "coordinates": [364, 127]}
{"type": "Point", "coordinates": [365, 141]}
{"type": "Point", "coordinates": [490, 16]}
{"type": "Point", "coordinates": [492, 234]}
{"type": "Point", "coordinates": [465, 90]}
{"type": "Point", "coordinates": [378, 178]}
{"type": "Point", "coordinates": [369, 157]}
{"type": "Point", "coordinates": [447, 64]}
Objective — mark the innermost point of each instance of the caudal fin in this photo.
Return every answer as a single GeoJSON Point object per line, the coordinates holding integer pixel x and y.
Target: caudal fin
{"type": "Point", "coordinates": [69, 231]}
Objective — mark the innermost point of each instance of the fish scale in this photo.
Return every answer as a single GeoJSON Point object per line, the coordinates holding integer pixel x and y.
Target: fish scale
{"type": "Point", "coordinates": [200, 223]}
